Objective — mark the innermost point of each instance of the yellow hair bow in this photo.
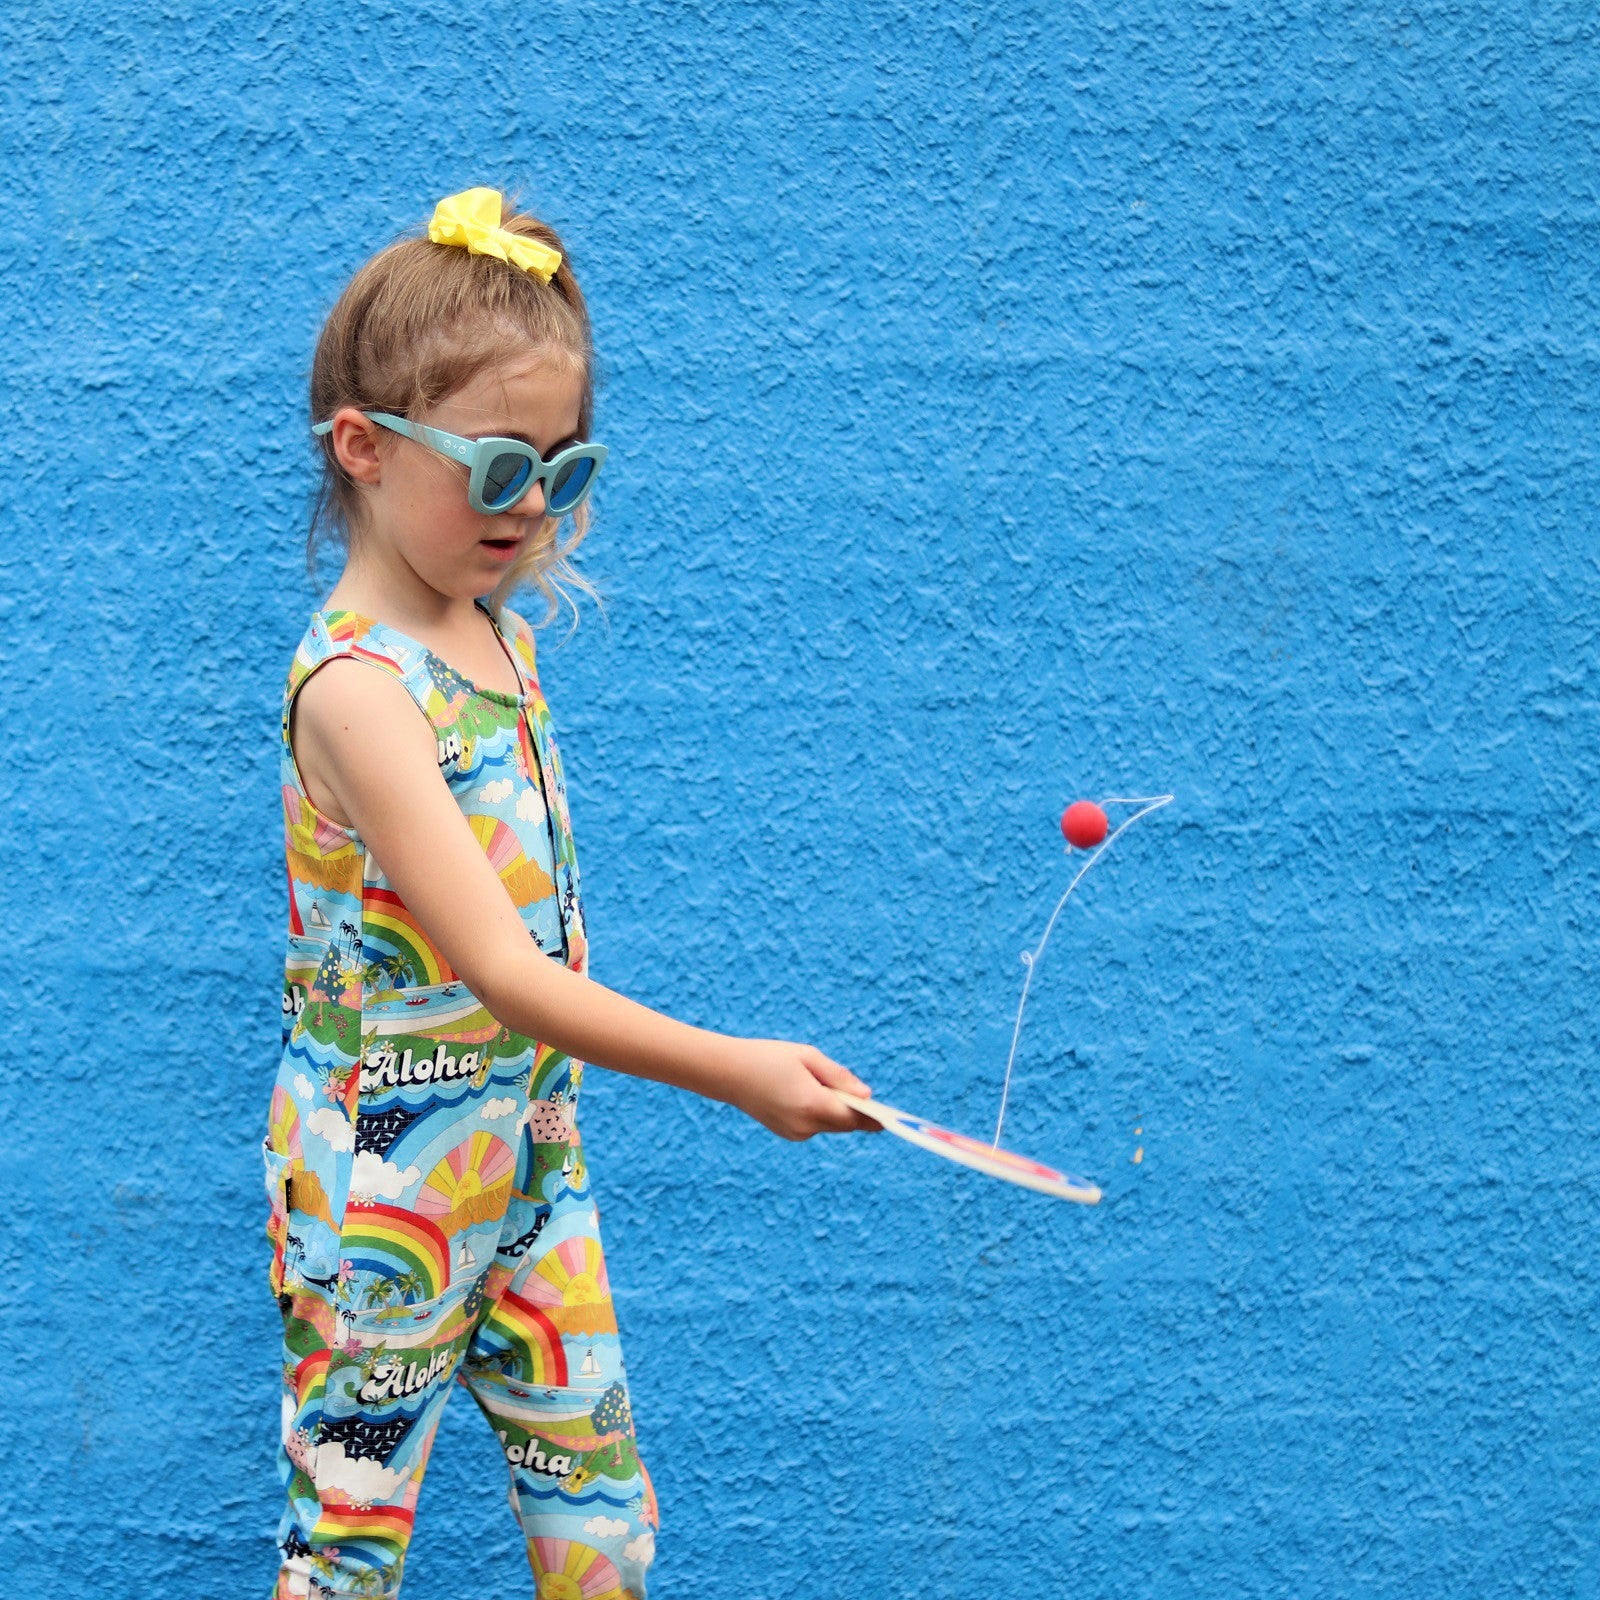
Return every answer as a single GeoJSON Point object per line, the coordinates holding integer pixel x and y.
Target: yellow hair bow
{"type": "Point", "coordinates": [472, 218]}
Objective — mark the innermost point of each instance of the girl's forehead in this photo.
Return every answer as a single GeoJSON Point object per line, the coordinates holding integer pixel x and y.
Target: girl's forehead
{"type": "Point", "coordinates": [535, 388]}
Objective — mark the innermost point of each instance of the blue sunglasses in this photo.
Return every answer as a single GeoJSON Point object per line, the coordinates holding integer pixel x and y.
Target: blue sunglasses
{"type": "Point", "coordinates": [502, 471]}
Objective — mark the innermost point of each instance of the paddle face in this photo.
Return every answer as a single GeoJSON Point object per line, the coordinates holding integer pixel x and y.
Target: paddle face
{"type": "Point", "coordinates": [974, 1153]}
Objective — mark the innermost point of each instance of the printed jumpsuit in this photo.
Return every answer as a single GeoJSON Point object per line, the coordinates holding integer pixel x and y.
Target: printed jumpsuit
{"type": "Point", "coordinates": [431, 1216]}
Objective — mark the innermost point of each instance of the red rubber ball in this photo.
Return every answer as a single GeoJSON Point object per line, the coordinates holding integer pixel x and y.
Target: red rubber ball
{"type": "Point", "coordinates": [1084, 824]}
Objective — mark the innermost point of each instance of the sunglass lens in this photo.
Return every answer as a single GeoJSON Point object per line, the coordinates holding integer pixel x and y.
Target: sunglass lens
{"type": "Point", "coordinates": [570, 482]}
{"type": "Point", "coordinates": [506, 478]}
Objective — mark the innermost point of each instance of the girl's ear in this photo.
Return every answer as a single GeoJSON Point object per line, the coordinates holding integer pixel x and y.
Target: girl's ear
{"type": "Point", "coordinates": [355, 445]}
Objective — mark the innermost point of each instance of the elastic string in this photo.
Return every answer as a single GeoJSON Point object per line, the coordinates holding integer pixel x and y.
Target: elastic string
{"type": "Point", "coordinates": [1149, 803]}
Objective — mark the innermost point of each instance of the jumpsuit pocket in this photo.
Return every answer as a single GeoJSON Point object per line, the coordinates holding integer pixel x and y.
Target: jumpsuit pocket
{"type": "Point", "coordinates": [305, 1244]}
{"type": "Point", "coordinates": [278, 1167]}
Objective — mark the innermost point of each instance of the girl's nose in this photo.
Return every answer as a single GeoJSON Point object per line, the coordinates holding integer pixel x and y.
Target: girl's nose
{"type": "Point", "coordinates": [532, 503]}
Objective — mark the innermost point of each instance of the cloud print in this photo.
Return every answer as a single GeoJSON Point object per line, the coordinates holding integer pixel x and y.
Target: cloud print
{"type": "Point", "coordinates": [499, 1108]}
{"type": "Point", "coordinates": [375, 1176]}
{"type": "Point", "coordinates": [530, 805]}
{"type": "Point", "coordinates": [495, 791]}
{"type": "Point", "coordinates": [640, 1549]}
{"type": "Point", "coordinates": [605, 1527]}
{"type": "Point", "coordinates": [302, 1086]}
{"type": "Point", "coordinates": [358, 1477]}
{"type": "Point", "coordinates": [333, 1126]}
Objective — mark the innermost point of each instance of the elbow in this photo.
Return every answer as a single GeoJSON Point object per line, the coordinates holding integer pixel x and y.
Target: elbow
{"type": "Point", "coordinates": [506, 984]}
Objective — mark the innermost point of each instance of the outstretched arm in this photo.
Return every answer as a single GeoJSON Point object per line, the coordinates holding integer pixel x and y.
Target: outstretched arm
{"type": "Point", "coordinates": [378, 755]}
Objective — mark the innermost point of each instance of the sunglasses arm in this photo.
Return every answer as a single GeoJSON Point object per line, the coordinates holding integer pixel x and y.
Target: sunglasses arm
{"type": "Point", "coordinates": [449, 444]}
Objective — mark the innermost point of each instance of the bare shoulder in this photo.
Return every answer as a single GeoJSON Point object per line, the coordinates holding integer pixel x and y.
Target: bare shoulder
{"type": "Point", "coordinates": [350, 723]}
{"type": "Point", "coordinates": [368, 743]}
{"type": "Point", "coordinates": [345, 687]}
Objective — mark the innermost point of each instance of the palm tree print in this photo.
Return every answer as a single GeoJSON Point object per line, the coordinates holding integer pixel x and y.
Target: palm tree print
{"type": "Point", "coordinates": [410, 1284]}
{"type": "Point", "coordinates": [391, 971]}
{"type": "Point", "coordinates": [378, 1293]}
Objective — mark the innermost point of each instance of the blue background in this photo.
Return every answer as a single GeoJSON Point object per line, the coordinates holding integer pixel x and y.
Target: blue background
{"type": "Point", "coordinates": [1007, 403]}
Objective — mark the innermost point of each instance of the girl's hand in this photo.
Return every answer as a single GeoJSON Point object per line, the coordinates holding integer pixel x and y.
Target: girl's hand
{"type": "Point", "coordinates": [787, 1087]}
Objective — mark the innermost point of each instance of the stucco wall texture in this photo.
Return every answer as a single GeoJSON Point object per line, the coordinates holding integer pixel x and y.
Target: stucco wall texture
{"type": "Point", "coordinates": [1008, 403]}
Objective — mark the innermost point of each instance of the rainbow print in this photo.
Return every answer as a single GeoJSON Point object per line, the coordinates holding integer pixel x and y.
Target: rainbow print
{"type": "Point", "coordinates": [388, 925]}
{"type": "Point", "coordinates": [387, 1527]}
{"type": "Point", "coordinates": [519, 1325]}
{"type": "Point", "coordinates": [397, 1244]}
{"type": "Point", "coordinates": [311, 1377]}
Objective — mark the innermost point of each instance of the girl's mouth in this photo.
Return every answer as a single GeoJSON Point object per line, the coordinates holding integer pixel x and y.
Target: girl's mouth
{"type": "Point", "coordinates": [501, 549]}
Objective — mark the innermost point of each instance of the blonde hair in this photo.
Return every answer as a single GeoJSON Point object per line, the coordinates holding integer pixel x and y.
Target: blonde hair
{"type": "Point", "coordinates": [416, 322]}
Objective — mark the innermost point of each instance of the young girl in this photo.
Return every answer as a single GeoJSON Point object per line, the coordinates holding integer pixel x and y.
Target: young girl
{"type": "Point", "coordinates": [432, 1215]}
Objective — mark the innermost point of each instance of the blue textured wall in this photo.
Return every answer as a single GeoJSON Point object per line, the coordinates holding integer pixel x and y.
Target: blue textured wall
{"type": "Point", "coordinates": [1007, 404]}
